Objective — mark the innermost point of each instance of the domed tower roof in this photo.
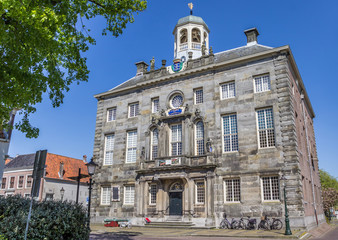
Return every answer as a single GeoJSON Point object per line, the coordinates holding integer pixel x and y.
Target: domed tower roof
{"type": "Point", "coordinates": [191, 19]}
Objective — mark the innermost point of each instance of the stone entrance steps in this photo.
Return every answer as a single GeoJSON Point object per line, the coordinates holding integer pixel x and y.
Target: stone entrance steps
{"type": "Point", "coordinates": [170, 224]}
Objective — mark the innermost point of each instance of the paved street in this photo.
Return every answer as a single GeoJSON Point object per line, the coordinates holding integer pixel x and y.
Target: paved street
{"type": "Point", "coordinates": [143, 233]}
{"type": "Point", "coordinates": [332, 235]}
{"type": "Point", "coordinates": [126, 237]}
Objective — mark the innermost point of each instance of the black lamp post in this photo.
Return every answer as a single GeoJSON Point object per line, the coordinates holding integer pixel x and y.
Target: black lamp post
{"type": "Point", "coordinates": [62, 193]}
{"type": "Point", "coordinates": [287, 221]}
{"type": "Point", "coordinates": [91, 170]}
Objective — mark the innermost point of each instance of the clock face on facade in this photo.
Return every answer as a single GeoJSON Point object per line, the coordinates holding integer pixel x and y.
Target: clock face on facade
{"type": "Point", "coordinates": [176, 101]}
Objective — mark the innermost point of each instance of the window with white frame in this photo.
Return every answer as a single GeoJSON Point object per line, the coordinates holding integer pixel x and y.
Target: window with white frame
{"type": "Point", "coordinates": [262, 83]}
{"type": "Point", "coordinates": [116, 193]}
{"type": "Point", "coordinates": [198, 95]}
{"type": "Point", "coordinates": [228, 90]}
{"type": "Point", "coordinates": [29, 181]}
{"type": "Point", "coordinates": [155, 102]}
{"type": "Point", "coordinates": [266, 131]}
{"type": "Point", "coordinates": [20, 181]}
{"type": "Point", "coordinates": [3, 183]}
{"type": "Point", "coordinates": [131, 146]}
{"type": "Point", "coordinates": [199, 138]}
{"type": "Point", "coordinates": [111, 114]}
{"type": "Point", "coordinates": [49, 196]}
{"type": "Point", "coordinates": [270, 186]}
{"type": "Point", "coordinates": [109, 150]}
{"type": "Point", "coordinates": [133, 110]}
{"type": "Point", "coordinates": [154, 143]}
{"type": "Point", "coordinates": [176, 139]}
{"type": "Point", "coordinates": [200, 192]}
{"type": "Point", "coordinates": [129, 194]}
{"type": "Point", "coordinates": [152, 194]}
{"type": "Point", "coordinates": [11, 182]}
{"type": "Point", "coordinates": [232, 190]}
{"type": "Point", "coordinates": [230, 134]}
{"type": "Point", "coordinates": [105, 195]}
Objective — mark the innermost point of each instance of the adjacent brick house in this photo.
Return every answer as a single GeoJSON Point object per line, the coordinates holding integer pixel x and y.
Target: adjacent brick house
{"type": "Point", "coordinates": [60, 172]}
{"type": "Point", "coordinates": [211, 133]}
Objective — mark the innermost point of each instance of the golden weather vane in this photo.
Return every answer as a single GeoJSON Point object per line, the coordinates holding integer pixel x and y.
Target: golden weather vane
{"type": "Point", "coordinates": [190, 5]}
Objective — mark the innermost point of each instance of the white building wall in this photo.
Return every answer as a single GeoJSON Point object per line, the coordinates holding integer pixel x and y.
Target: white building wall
{"type": "Point", "coordinates": [54, 186]}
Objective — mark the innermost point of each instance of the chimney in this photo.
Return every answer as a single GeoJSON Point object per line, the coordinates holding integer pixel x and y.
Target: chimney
{"type": "Point", "coordinates": [84, 158]}
{"type": "Point", "coordinates": [8, 159]}
{"type": "Point", "coordinates": [61, 170]}
{"type": "Point", "coordinates": [251, 35]}
{"type": "Point", "coordinates": [142, 67]}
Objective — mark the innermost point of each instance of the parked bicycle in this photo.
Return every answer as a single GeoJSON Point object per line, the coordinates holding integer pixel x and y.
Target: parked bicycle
{"type": "Point", "coordinates": [226, 224]}
{"type": "Point", "coordinates": [247, 223]}
{"type": "Point", "coordinates": [125, 224]}
{"type": "Point", "coordinates": [267, 224]}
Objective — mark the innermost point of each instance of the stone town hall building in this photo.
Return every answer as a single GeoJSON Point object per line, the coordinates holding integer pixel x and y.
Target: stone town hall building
{"type": "Point", "coordinates": [212, 133]}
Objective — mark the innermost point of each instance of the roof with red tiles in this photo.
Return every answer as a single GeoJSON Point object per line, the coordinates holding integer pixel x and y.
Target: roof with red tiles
{"type": "Point", "coordinates": [68, 166]}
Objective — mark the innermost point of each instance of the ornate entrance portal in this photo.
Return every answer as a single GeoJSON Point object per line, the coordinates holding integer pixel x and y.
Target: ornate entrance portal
{"type": "Point", "coordinates": [175, 199]}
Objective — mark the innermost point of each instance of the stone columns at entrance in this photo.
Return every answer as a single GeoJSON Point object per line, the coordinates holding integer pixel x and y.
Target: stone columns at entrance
{"type": "Point", "coordinates": [139, 201]}
{"type": "Point", "coordinates": [210, 219]}
{"type": "Point", "coordinates": [145, 197]}
{"type": "Point", "coordinates": [191, 186]}
{"type": "Point", "coordinates": [160, 200]}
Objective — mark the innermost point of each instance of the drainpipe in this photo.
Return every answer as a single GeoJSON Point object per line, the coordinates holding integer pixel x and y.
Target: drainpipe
{"type": "Point", "coordinates": [309, 158]}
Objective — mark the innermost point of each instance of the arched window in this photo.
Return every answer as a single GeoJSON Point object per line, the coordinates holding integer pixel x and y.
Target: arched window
{"type": "Point", "coordinates": [196, 35]}
{"type": "Point", "coordinates": [183, 36]}
{"type": "Point", "coordinates": [176, 187]}
{"type": "Point", "coordinates": [199, 138]}
{"type": "Point", "coordinates": [154, 144]}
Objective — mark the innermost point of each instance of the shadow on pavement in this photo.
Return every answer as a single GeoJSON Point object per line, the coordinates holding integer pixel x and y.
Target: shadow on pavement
{"type": "Point", "coordinates": [114, 235]}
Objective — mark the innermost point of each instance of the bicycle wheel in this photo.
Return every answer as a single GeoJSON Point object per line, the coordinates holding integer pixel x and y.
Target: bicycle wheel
{"type": "Point", "coordinates": [241, 225]}
{"type": "Point", "coordinates": [277, 224]}
{"type": "Point", "coordinates": [251, 226]}
{"type": "Point", "coordinates": [260, 225]}
{"type": "Point", "coordinates": [234, 225]}
{"type": "Point", "coordinates": [263, 225]}
{"type": "Point", "coordinates": [227, 225]}
{"type": "Point", "coordinates": [222, 225]}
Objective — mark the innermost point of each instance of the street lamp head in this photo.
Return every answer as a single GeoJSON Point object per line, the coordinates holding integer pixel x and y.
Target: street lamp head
{"type": "Point", "coordinates": [91, 167]}
{"type": "Point", "coordinates": [62, 192]}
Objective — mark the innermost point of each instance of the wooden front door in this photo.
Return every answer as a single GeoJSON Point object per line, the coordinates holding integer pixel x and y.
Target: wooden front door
{"type": "Point", "coordinates": [175, 203]}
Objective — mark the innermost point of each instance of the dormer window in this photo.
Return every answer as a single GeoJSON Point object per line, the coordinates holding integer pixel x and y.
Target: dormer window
{"type": "Point", "coordinates": [184, 36]}
{"type": "Point", "coordinates": [196, 35]}
{"type": "Point", "coordinates": [61, 170]}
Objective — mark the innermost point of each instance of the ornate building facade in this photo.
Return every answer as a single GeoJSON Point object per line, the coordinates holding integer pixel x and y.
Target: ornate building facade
{"type": "Point", "coordinates": [212, 133]}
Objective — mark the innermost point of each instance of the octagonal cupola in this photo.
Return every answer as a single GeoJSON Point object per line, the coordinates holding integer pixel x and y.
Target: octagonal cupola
{"type": "Point", "coordinates": [191, 33]}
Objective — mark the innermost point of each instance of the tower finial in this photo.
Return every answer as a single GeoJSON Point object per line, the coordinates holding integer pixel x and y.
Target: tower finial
{"type": "Point", "coordinates": [190, 6]}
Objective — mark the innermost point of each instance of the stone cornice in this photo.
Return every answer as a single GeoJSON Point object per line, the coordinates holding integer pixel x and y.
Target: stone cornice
{"type": "Point", "coordinates": [214, 66]}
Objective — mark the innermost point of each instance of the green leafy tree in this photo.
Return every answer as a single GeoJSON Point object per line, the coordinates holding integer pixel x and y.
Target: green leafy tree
{"type": "Point", "coordinates": [41, 47]}
{"type": "Point", "coordinates": [330, 190]}
{"type": "Point", "coordinates": [328, 181]}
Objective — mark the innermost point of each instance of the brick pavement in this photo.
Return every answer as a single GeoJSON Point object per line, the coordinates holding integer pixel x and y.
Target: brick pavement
{"type": "Point", "coordinates": [194, 232]}
{"type": "Point", "coordinates": [181, 232]}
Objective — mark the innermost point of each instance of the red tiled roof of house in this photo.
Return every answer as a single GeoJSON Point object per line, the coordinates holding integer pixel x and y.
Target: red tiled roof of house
{"type": "Point", "coordinates": [70, 167]}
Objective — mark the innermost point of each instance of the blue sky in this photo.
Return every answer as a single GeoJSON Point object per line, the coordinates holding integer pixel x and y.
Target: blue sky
{"type": "Point", "coordinates": [309, 27]}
